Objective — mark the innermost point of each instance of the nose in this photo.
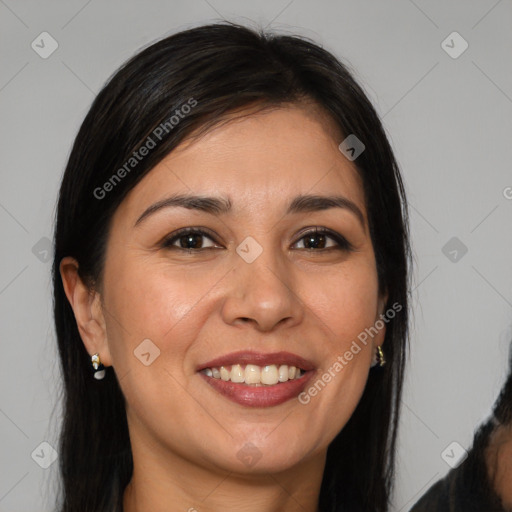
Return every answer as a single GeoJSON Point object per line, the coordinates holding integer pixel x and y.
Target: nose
{"type": "Point", "coordinates": [263, 293]}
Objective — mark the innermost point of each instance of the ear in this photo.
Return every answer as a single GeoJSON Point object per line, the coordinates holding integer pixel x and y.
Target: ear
{"type": "Point", "coordinates": [382, 302]}
{"type": "Point", "coordinates": [86, 304]}
{"type": "Point", "coordinates": [378, 340]}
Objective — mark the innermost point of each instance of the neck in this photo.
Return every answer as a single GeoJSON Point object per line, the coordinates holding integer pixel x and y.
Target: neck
{"type": "Point", "coordinates": [167, 483]}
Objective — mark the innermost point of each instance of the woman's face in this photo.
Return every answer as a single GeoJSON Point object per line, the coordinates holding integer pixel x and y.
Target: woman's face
{"type": "Point", "coordinates": [254, 285]}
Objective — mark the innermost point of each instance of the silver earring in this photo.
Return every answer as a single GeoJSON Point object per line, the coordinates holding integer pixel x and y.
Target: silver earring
{"type": "Point", "coordinates": [99, 369]}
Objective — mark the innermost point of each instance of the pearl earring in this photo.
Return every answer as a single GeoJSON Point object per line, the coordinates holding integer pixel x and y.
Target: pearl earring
{"type": "Point", "coordinates": [99, 369]}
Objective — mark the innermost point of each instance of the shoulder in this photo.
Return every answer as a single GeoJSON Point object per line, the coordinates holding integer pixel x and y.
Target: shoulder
{"type": "Point", "coordinates": [465, 488]}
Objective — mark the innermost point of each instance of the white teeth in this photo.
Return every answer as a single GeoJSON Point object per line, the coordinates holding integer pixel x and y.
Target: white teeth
{"type": "Point", "coordinates": [237, 374]}
{"type": "Point", "coordinates": [224, 374]}
{"type": "Point", "coordinates": [252, 374]}
{"type": "Point", "coordinates": [269, 375]}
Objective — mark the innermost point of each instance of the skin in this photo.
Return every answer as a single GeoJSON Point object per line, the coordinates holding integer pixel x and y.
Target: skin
{"type": "Point", "coordinates": [499, 463]}
{"type": "Point", "coordinates": [196, 306]}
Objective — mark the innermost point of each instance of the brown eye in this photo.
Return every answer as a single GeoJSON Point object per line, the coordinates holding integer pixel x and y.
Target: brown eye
{"type": "Point", "coordinates": [319, 239]}
{"type": "Point", "coordinates": [188, 239]}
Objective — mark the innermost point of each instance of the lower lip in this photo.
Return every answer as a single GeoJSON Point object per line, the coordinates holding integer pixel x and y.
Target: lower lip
{"type": "Point", "coordinates": [260, 396]}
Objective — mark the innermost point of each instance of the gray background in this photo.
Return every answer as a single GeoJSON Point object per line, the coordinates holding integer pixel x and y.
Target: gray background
{"type": "Point", "coordinates": [450, 123]}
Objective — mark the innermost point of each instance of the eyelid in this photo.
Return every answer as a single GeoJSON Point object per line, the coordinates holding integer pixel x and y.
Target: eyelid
{"type": "Point", "coordinates": [172, 237]}
{"type": "Point", "coordinates": [341, 242]}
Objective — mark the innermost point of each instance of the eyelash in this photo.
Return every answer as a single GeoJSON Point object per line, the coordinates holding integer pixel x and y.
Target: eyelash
{"type": "Point", "coordinates": [342, 242]}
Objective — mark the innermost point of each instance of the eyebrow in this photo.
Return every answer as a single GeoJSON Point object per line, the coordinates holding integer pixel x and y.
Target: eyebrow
{"type": "Point", "coordinates": [223, 205]}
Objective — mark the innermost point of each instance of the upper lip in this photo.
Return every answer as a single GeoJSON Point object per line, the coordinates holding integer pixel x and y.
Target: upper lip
{"type": "Point", "coordinates": [259, 359]}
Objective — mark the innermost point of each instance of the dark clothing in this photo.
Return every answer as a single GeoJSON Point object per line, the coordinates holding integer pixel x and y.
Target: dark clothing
{"type": "Point", "coordinates": [465, 488]}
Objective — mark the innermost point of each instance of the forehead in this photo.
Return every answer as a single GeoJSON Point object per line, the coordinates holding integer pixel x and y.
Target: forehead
{"type": "Point", "coordinates": [258, 159]}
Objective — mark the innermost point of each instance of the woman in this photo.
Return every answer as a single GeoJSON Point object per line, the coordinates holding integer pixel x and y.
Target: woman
{"type": "Point", "coordinates": [483, 482]}
{"type": "Point", "coordinates": [231, 264]}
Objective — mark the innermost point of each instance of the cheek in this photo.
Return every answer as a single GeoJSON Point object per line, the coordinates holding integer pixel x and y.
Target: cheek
{"type": "Point", "coordinates": [146, 301]}
{"type": "Point", "coordinates": [346, 301]}
{"type": "Point", "coordinates": [167, 304]}
{"type": "Point", "coordinates": [346, 304]}
{"type": "Point", "coordinates": [151, 300]}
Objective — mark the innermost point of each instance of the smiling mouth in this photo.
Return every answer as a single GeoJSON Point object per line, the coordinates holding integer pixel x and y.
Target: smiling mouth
{"type": "Point", "coordinates": [258, 379]}
{"type": "Point", "coordinates": [254, 375]}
